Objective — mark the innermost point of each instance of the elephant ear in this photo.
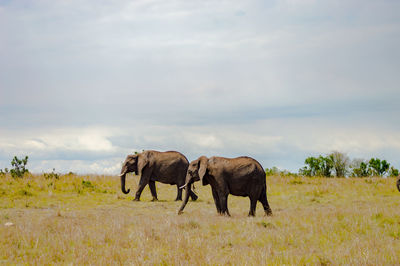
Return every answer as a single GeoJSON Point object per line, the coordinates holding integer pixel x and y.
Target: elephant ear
{"type": "Point", "coordinates": [203, 163]}
{"type": "Point", "coordinates": [143, 161]}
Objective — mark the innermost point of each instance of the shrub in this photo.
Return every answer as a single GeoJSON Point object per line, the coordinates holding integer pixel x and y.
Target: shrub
{"type": "Point", "coordinates": [3, 173]}
{"type": "Point", "coordinates": [393, 172]}
{"type": "Point", "coordinates": [317, 166]}
{"type": "Point", "coordinates": [359, 168]}
{"type": "Point", "coordinates": [52, 175]}
{"type": "Point", "coordinates": [274, 171]}
{"type": "Point", "coordinates": [19, 167]}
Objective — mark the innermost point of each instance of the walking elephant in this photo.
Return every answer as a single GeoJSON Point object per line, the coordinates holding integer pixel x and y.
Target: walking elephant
{"type": "Point", "coordinates": [398, 183]}
{"type": "Point", "coordinates": [242, 176]}
{"type": "Point", "coordinates": [166, 167]}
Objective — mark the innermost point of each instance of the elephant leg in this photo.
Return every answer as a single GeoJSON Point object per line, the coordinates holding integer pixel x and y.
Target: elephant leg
{"type": "Point", "coordinates": [264, 202]}
{"type": "Point", "coordinates": [253, 205]}
{"type": "Point", "coordinates": [142, 183]}
{"type": "Point", "coordinates": [152, 185]}
{"type": "Point", "coordinates": [179, 193]}
{"type": "Point", "coordinates": [216, 200]}
{"type": "Point", "coordinates": [224, 204]}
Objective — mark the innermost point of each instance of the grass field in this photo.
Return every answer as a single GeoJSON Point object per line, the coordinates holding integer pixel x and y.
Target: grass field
{"type": "Point", "coordinates": [87, 220]}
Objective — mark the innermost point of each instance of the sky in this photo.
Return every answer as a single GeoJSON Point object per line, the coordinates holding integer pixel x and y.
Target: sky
{"type": "Point", "coordinates": [85, 83]}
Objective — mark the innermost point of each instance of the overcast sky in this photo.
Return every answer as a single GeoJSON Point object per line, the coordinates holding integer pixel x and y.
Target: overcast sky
{"type": "Point", "coordinates": [84, 83]}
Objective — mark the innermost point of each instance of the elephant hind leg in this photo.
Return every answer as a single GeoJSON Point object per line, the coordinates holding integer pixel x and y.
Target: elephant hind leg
{"type": "Point", "coordinates": [264, 202]}
{"type": "Point", "coordinates": [152, 185]}
{"type": "Point", "coordinates": [253, 205]}
{"type": "Point", "coordinates": [179, 193]}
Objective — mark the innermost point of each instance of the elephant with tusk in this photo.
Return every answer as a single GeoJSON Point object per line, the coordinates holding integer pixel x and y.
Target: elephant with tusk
{"type": "Point", "coordinates": [242, 176]}
{"type": "Point", "coordinates": [166, 167]}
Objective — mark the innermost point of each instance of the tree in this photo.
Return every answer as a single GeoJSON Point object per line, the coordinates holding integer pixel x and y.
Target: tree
{"type": "Point", "coordinates": [321, 166]}
{"type": "Point", "coordinates": [340, 163]}
{"type": "Point", "coordinates": [393, 172]}
{"type": "Point", "coordinates": [360, 168]}
{"type": "Point", "coordinates": [19, 167]}
{"type": "Point", "coordinates": [313, 167]}
{"type": "Point", "coordinates": [325, 166]}
{"type": "Point", "coordinates": [378, 167]}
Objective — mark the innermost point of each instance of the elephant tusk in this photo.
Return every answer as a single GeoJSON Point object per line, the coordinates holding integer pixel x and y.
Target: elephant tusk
{"type": "Point", "coordinates": [121, 174]}
{"type": "Point", "coordinates": [185, 185]}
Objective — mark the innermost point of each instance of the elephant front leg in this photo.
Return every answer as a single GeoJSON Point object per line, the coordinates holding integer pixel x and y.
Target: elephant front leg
{"type": "Point", "coordinates": [193, 196]}
{"type": "Point", "coordinates": [224, 204]}
{"type": "Point", "coordinates": [152, 185]}
{"type": "Point", "coordinates": [216, 200]}
{"type": "Point", "coordinates": [143, 182]}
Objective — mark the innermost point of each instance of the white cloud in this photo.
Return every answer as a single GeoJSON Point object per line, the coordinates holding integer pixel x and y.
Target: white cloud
{"type": "Point", "coordinates": [90, 139]}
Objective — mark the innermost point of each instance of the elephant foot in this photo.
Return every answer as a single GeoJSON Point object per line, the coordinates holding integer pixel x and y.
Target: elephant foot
{"type": "Point", "coordinates": [154, 199]}
{"type": "Point", "coordinates": [136, 199]}
{"type": "Point", "coordinates": [268, 213]}
{"type": "Point", "coordinates": [178, 199]}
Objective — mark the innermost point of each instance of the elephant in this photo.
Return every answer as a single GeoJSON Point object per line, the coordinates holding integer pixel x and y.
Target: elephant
{"type": "Point", "coordinates": [166, 167]}
{"type": "Point", "coordinates": [241, 176]}
{"type": "Point", "coordinates": [398, 183]}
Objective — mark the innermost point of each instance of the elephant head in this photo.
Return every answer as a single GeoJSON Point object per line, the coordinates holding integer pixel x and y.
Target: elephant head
{"type": "Point", "coordinates": [196, 172]}
{"type": "Point", "coordinates": [130, 165]}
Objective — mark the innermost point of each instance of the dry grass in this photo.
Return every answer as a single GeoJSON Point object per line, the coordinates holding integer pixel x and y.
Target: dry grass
{"type": "Point", "coordinates": [316, 221]}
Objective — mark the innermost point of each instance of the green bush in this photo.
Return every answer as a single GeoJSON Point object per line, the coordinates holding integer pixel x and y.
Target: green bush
{"type": "Point", "coordinates": [318, 166]}
{"type": "Point", "coordinates": [360, 168]}
{"type": "Point", "coordinates": [3, 173]}
{"type": "Point", "coordinates": [52, 175]}
{"type": "Point", "coordinates": [274, 171]}
{"type": "Point", "coordinates": [393, 172]}
{"type": "Point", "coordinates": [19, 167]}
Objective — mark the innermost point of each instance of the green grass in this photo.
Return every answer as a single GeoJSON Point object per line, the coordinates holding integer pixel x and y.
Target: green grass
{"type": "Point", "coordinates": [87, 220]}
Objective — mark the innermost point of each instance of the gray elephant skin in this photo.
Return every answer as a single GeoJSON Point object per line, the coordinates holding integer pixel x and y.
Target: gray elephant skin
{"type": "Point", "coordinates": [398, 183]}
{"type": "Point", "coordinates": [166, 167]}
{"type": "Point", "coordinates": [242, 176]}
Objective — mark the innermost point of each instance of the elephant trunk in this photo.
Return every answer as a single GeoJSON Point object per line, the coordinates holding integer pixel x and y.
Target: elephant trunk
{"type": "Point", "coordinates": [188, 190]}
{"type": "Point", "coordinates": [123, 184]}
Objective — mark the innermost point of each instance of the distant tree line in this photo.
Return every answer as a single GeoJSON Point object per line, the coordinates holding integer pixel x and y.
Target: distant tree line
{"type": "Point", "coordinates": [339, 164]}
{"type": "Point", "coordinates": [276, 171]}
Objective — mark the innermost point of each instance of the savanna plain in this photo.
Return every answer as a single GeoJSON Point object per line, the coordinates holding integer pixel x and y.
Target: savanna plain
{"type": "Point", "coordinates": [85, 219]}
